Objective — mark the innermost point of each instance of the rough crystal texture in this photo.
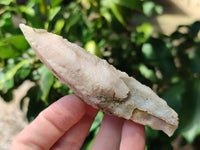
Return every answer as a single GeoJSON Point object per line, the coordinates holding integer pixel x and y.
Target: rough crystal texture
{"type": "Point", "coordinates": [99, 83]}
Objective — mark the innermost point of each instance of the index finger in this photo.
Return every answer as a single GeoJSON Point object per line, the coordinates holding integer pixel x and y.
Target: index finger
{"type": "Point", "coordinates": [133, 136]}
{"type": "Point", "coordinates": [50, 124]}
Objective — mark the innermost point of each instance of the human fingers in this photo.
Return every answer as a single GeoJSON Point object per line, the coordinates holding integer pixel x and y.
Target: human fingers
{"type": "Point", "coordinates": [109, 134]}
{"type": "Point", "coordinates": [50, 124]}
{"type": "Point", "coordinates": [133, 136]}
{"type": "Point", "coordinates": [75, 136]}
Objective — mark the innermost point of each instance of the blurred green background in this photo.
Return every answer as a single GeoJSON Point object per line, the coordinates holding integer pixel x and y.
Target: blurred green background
{"type": "Point", "coordinates": [120, 31]}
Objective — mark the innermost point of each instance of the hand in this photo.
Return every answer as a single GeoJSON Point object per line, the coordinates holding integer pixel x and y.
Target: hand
{"type": "Point", "coordinates": [65, 124]}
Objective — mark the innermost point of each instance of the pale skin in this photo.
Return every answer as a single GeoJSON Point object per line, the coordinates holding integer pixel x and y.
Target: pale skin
{"type": "Point", "coordinates": [65, 124]}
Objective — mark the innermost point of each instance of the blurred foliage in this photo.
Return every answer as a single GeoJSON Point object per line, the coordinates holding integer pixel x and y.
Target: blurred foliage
{"type": "Point", "coordinates": [168, 64]}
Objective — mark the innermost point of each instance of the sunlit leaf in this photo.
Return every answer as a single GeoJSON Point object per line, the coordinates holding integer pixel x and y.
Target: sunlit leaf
{"type": "Point", "coordinates": [115, 8]}
{"type": "Point", "coordinates": [147, 29]}
{"type": "Point", "coordinates": [150, 8]}
{"type": "Point", "coordinates": [6, 19]}
{"type": "Point", "coordinates": [132, 4]}
{"type": "Point", "coordinates": [89, 143]}
{"type": "Point", "coordinates": [93, 131]}
{"type": "Point", "coordinates": [158, 9]}
{"type": "Point", "coordinates": [55, 3]}
{"type": "Point", "coordinates": [7, 51]}
{"type": "Point", "coordinates": [147, 51]}
{"type": "Point", "coordinates": [18, 41]}
{"type": "Point", "coordinates": [43, 7]}
{"type": "Point", "coordinates": [5, 2]}
{"type": "Point", "coordinates": [118, 14]}
{"type": "Point", "coordinates": [59, 26]}
{"type": "Point", "coordinates": [8, 85]}
{"type": "Point", "coordinates": [53, 12]}
{"type": "Point", "coordinates": [147, 73]}
{"type": "Point", "coordinates": [144, 32]}
{"type": "Point", "coordinates": [97, 121]}
{"type": "Point", "coordinates": [86, 3]}
{"type": "Point", "coordinates": [106, 14]}
{"type": "Point", "coordinates": [27, 10]}
{"type": "Point", "coordinates": [10, 73]}
{"type": "Point", "coordinates": [13, 46]}
{"type": "Point", "coordinates": [92, 47]}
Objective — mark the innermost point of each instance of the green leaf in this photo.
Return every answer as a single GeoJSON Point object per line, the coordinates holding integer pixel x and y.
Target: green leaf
{"type": "Point", "coordinates": [92, 47]}
{"type": "Point", "coordinates": [116, 11]}
{"type": "Point", "coordinates": [164, 60]}
{"type": "Point", "coordinates": [5, 2]}
{"type": "Point", "coordinates": [72, 20]}
{"type": "Point", "coordinates": [11, 47]}
{"type": "Point", "coordinates": [36, 105]}
{"type": "Point", "coordinates": [23, 72]}
{"type": "Point", "coordinates": [8, 85]}
{"type": "Point", "coordinates": [147, 51]}
{"type": "Point", "coordinates": [97, 121]}
{"type": "Point", "coordinates": [53, 12]}
{"type": "Point", "coordinates": [173, 96]}
{"type": "Point", "coordinates": [46, 82]}
{"type": "Point", "coordinates": [195, 64]}
{"type": "Point", "coordinates": [132, 4]}
{"type": "Point", "coordinates": [43, 7]}
{"type": "Point", "coordinates": [17, 41]}
{"type": "Point", "coordinates": [7, 51]}
{"type": "Point", "coordinates": [150, 133]}
{"type": "Point", "coordinates": [194, 29]}
{"type": "Point", "coordinates": [158, 9]}
{"type": "Point", "coordinates": [59, 26]}
{"type": "Point", "coordinates": [6, 22]}
{"type": "Point", "coordinates": [144, 32]}
{"type": "Point", "coordinates": [148, 8]}
{"type": "Point", "coordinates": [176, 35]}
{"type": "Point", "coordinates": [27, 10]}
{"type": "Point", "coordinates": [93, 131]}
{"type": "Point", "coordinates": [195, 60]}
{"type": "Point", "coordinates": [146, 29]}
{"type": "Point", "coordinates": [147, 73]}
{"type": "Point", "coordinates": [190, 112]}
{"type": "Point", "coordinates": [8, 96]}
{"type": "Point", "coordinates": [55, 3]}
{"type": "Point", "coordinates": [89, 143]}
{"type": "Point", "coordinates": [106, 14]}
{"type": "Point", "coordinates": [9, 75]}
{"type": "Point", "coordinates": [115, 8]}
{"type": "Point", "coordinates": [86, 3]}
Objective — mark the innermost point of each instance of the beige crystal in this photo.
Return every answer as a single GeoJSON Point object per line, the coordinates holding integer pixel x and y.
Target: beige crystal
{"type": "Point", "coordinates": [99, 83]}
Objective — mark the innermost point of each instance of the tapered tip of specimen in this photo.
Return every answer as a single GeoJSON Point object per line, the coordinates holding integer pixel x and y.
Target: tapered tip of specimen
{"type": "Point", "coordinates": [24, 28]}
